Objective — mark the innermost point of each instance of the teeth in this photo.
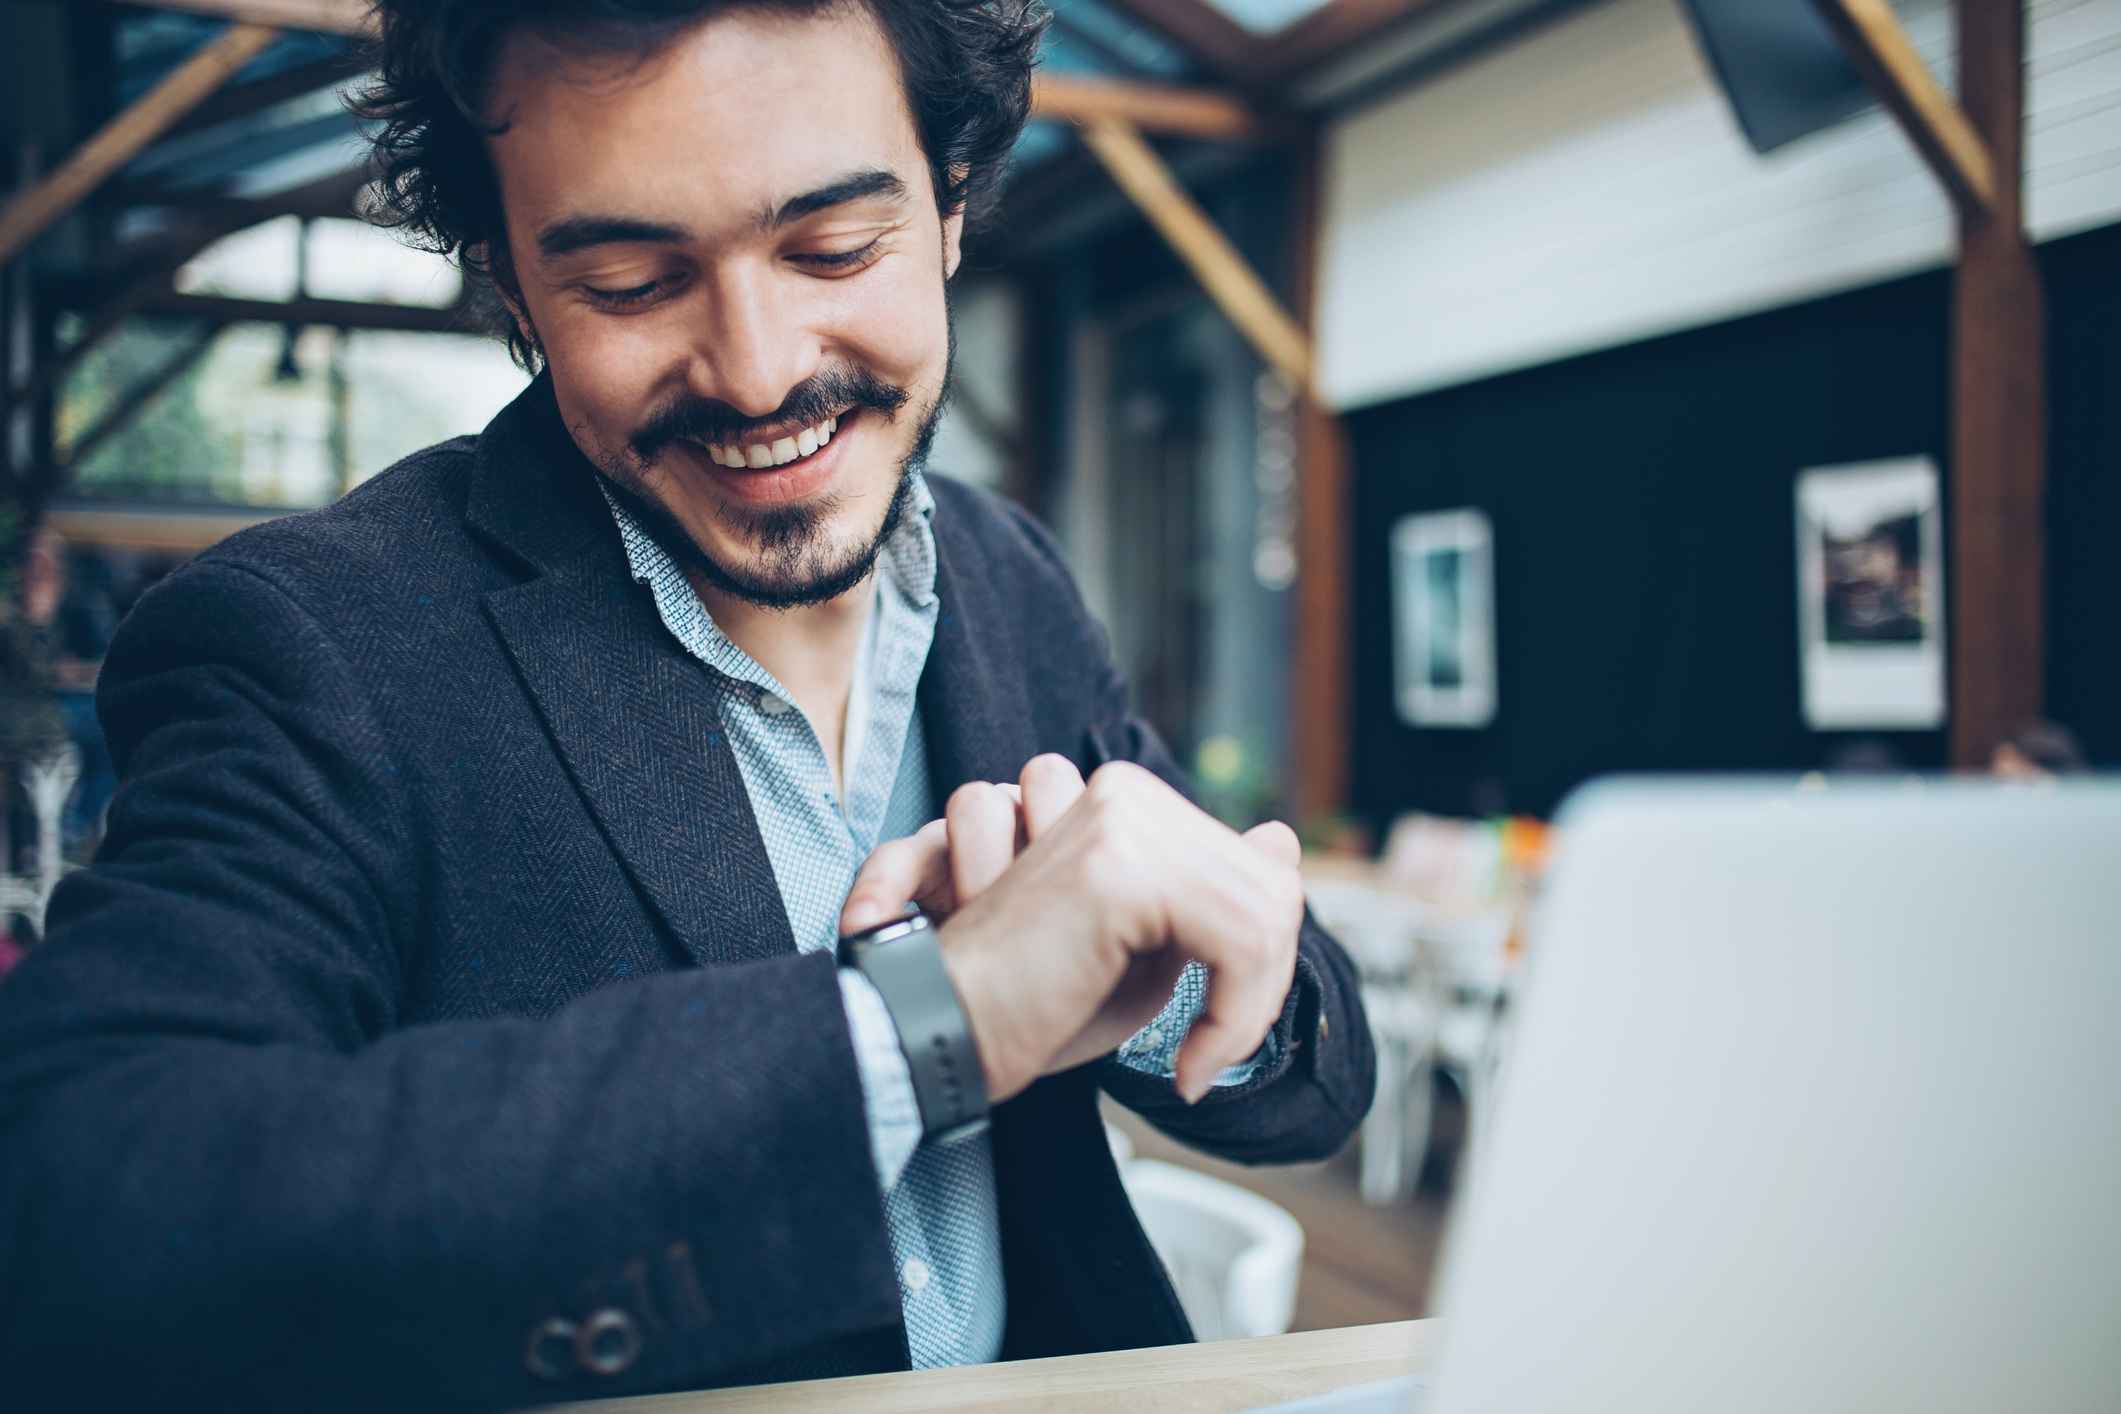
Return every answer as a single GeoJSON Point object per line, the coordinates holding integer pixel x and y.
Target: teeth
{"type": "Point", "coordinates": [761, 455]}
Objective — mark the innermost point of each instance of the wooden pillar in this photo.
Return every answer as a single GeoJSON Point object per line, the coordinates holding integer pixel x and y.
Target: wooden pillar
{"type": "Point", "coordinates": [1319, 663]}
{"type": "Point", "coordinates": [23, 330]}
{"type": "Point", "coordinates": [1999, 411]}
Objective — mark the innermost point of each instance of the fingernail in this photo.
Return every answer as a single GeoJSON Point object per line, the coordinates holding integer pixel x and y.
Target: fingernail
{"type": "Point", "coordinates": [1192, 1092]}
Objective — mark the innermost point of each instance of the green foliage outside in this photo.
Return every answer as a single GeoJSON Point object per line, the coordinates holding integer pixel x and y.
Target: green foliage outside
{"type": "Point", "coordinates": [172, 450]}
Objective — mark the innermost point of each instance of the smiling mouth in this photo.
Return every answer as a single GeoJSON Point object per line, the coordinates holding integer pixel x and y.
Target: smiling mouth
{"type": "Point", "coordinates": [763, 456]}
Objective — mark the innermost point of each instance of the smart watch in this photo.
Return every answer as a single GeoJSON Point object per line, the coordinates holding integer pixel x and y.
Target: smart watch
{"type": "Point", "coordinates": [903, 960]}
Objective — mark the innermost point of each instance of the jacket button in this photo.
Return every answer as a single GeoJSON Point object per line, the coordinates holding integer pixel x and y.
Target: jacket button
{"type": "Point", "coordinates": [1323, 1029]}
{"type": "Point", "coordinates": [608, 1343]}
{"type": "Point", "coordinates": [547, 1356]}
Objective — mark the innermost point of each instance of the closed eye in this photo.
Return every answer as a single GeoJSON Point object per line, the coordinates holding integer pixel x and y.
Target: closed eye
{"type": "Point", "coordinates": [633, 297]}
{"type": "Point", "coordinates": [840, 261]}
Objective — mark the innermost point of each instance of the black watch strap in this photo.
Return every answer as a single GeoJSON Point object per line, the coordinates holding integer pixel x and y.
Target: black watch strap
{"type": "Point", "coordinates": [903, 960]}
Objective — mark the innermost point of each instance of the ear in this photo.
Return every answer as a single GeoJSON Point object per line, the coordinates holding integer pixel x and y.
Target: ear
{"type": "Point", "coordinates": [502, 267]}
{"type": "Point", "coordinates": [953, 242]}
{"type": "Point", "coordinates": [512, 301]}
{"type": "Point", "coordinates": [954, 230]}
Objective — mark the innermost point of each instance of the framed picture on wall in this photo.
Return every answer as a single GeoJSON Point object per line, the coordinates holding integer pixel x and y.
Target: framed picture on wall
{"type": "Point", "coordinates": [1443, 619]}
{"type": "Point", "coordinates": [1870, 595]}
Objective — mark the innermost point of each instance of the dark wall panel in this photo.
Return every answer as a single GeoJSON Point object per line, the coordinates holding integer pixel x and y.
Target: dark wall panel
{"type": "Point", "coordinates": [2084, 489]}
{"type": "Point", "coordinates": [1646, 543]}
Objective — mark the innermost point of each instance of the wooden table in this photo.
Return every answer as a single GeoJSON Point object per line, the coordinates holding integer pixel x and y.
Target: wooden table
{"type": "Point", "coordinates": [1219, 1378]}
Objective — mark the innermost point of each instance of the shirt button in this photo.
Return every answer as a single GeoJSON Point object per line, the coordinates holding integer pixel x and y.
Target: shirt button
{"type": "Point", "coordinates": [916, 1274]}
{"type": "Point", "coordinates": [771, 705]}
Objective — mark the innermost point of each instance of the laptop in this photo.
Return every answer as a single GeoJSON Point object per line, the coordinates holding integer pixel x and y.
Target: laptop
{"type": "Point", "coordinates": [1812, 1102]}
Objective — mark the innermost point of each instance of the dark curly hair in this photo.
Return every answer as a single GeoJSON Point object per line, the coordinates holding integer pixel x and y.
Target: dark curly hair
{"type": "Point", "coordinates": [966, 66]}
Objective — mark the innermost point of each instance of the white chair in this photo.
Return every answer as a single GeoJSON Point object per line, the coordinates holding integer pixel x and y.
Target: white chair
{"type": "Point", "coordinates": [47, 782]}
{"type": "Point", "coordinates": [1465, 962]}
{"type": "Point", "coordinates": [1233, 1256]}
{"type": "Point", "coordinates": [1379, 931]}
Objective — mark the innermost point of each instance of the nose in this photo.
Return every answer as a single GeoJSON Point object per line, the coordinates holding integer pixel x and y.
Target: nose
{"type": "Point", "coordinates": [753, 347]}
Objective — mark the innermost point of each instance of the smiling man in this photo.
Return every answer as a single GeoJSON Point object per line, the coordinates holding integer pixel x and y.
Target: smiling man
{"type": "Point", "coordinates": [497, 983]}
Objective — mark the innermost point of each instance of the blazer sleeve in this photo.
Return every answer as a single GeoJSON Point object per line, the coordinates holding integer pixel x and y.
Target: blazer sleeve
{"type": "Point", "coordinates": [229, 1173]}
{"type": "Point", "coordinates": [1315, 1088]}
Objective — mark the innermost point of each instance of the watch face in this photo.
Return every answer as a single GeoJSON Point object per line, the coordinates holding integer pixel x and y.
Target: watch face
{"type": "Point", "coordinates": [889, 932]}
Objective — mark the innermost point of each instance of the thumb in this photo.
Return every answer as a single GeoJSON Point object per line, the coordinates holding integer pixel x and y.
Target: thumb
{"type": "Point", "coordinates": [913, 869]}
{"type": "Point", "coordinates": [1276, 841]}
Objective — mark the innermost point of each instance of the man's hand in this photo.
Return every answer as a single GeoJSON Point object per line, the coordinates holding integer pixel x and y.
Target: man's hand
{"type": "Point", "coordinates": [1072, 907]}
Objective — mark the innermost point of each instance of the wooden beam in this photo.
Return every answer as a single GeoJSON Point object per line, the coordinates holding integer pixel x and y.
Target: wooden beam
{"type": "Point", "coordinates": [31, 212]}
{"type": "Point", "coordinates": [1879, 47]}
{"type": "Point", "coordinates": [353, 17]}
{"type": "Point", "coordinates": [1151, 107]}
{"type": "Point", "coordinates": [332, 313]}
{"type": "Point", "coordinates": [1206, 33]}
{"type": "Point", "coordinates": [1230, 282]}
{"type": "Point", "coordinates": [135, 401]}
{"type": "Point", "coordinates": [1999, 413]}
{"type": "Point", "coordinates": [1319, 670]}
{"type": "Point", "coordinates": [159, 529]}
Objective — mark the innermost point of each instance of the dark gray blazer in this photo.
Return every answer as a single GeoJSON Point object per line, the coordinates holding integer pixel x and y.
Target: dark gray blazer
{"type": "Point", "coordinates": [432, 989]}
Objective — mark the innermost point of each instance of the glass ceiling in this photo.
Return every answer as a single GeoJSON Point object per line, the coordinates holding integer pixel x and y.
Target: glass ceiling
{"type": "Point", "coordinates": [1268, 16]}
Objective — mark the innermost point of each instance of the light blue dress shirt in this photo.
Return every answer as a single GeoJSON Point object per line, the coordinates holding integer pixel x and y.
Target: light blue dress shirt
{"type": "Point", "coordinates": [939, 1201]}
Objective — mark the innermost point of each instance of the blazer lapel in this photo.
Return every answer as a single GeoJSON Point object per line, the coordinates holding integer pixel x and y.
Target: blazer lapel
{"type": "Point", "coordinates": [973, 700]}
{"type": "Point", "coordinates": [633, 717]}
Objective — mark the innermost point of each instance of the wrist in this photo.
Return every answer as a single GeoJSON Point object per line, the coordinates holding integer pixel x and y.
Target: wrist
{"type": "Point", "coordinates": [970, 974]}
{"type": "Point", "coordinates": [902, 961]}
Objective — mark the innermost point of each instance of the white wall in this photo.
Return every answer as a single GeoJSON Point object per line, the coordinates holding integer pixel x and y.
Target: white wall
{"type": "Point", "coordinates": [1587, 186]}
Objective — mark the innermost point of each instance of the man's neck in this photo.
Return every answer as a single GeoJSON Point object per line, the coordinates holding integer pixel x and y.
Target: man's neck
{"type": "Point", "coordinates": [809, 650]}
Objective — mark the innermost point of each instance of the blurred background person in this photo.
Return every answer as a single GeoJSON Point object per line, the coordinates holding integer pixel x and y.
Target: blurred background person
{"type": "Point", "coordinates": [2039, 751]}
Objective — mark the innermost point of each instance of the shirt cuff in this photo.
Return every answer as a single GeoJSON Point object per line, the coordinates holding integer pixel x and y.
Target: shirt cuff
{"type": "Point", "coordinates": [887, 1081]}
{"type": "Point", "coordinates": [1153, 1050]}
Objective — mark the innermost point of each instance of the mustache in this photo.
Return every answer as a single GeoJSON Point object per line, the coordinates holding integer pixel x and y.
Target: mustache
{"type": "Point", "coordinates": [813, 400]}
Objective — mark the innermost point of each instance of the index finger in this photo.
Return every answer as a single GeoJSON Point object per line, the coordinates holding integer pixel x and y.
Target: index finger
{"type": "Point", "coordinates": [915, 869]}
{"type": "Point", "coordinates": [1247, 939]}
{"type": "Point", "coordinates": [1241, 1006]}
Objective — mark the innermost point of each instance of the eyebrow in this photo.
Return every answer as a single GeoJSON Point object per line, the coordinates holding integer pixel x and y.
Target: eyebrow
{"type": "Point", "coordinates": [574, 233]}
{"type": "Point", "coordinates": [855, 186]}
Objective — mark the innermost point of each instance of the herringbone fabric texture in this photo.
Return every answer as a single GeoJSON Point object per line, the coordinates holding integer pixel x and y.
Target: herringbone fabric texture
{"type": "Point", "coordinates": [939, 1202]}
{"type": "Point", "coordinates": [434, 988]}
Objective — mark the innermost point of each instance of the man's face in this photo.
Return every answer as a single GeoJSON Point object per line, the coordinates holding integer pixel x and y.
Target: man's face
{"type": "Point", "coordinates": [730, 253]}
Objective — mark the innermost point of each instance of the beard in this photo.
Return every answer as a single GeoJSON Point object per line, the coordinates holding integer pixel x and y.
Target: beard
{"type": "Point", "coordinates": [796, 561]}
